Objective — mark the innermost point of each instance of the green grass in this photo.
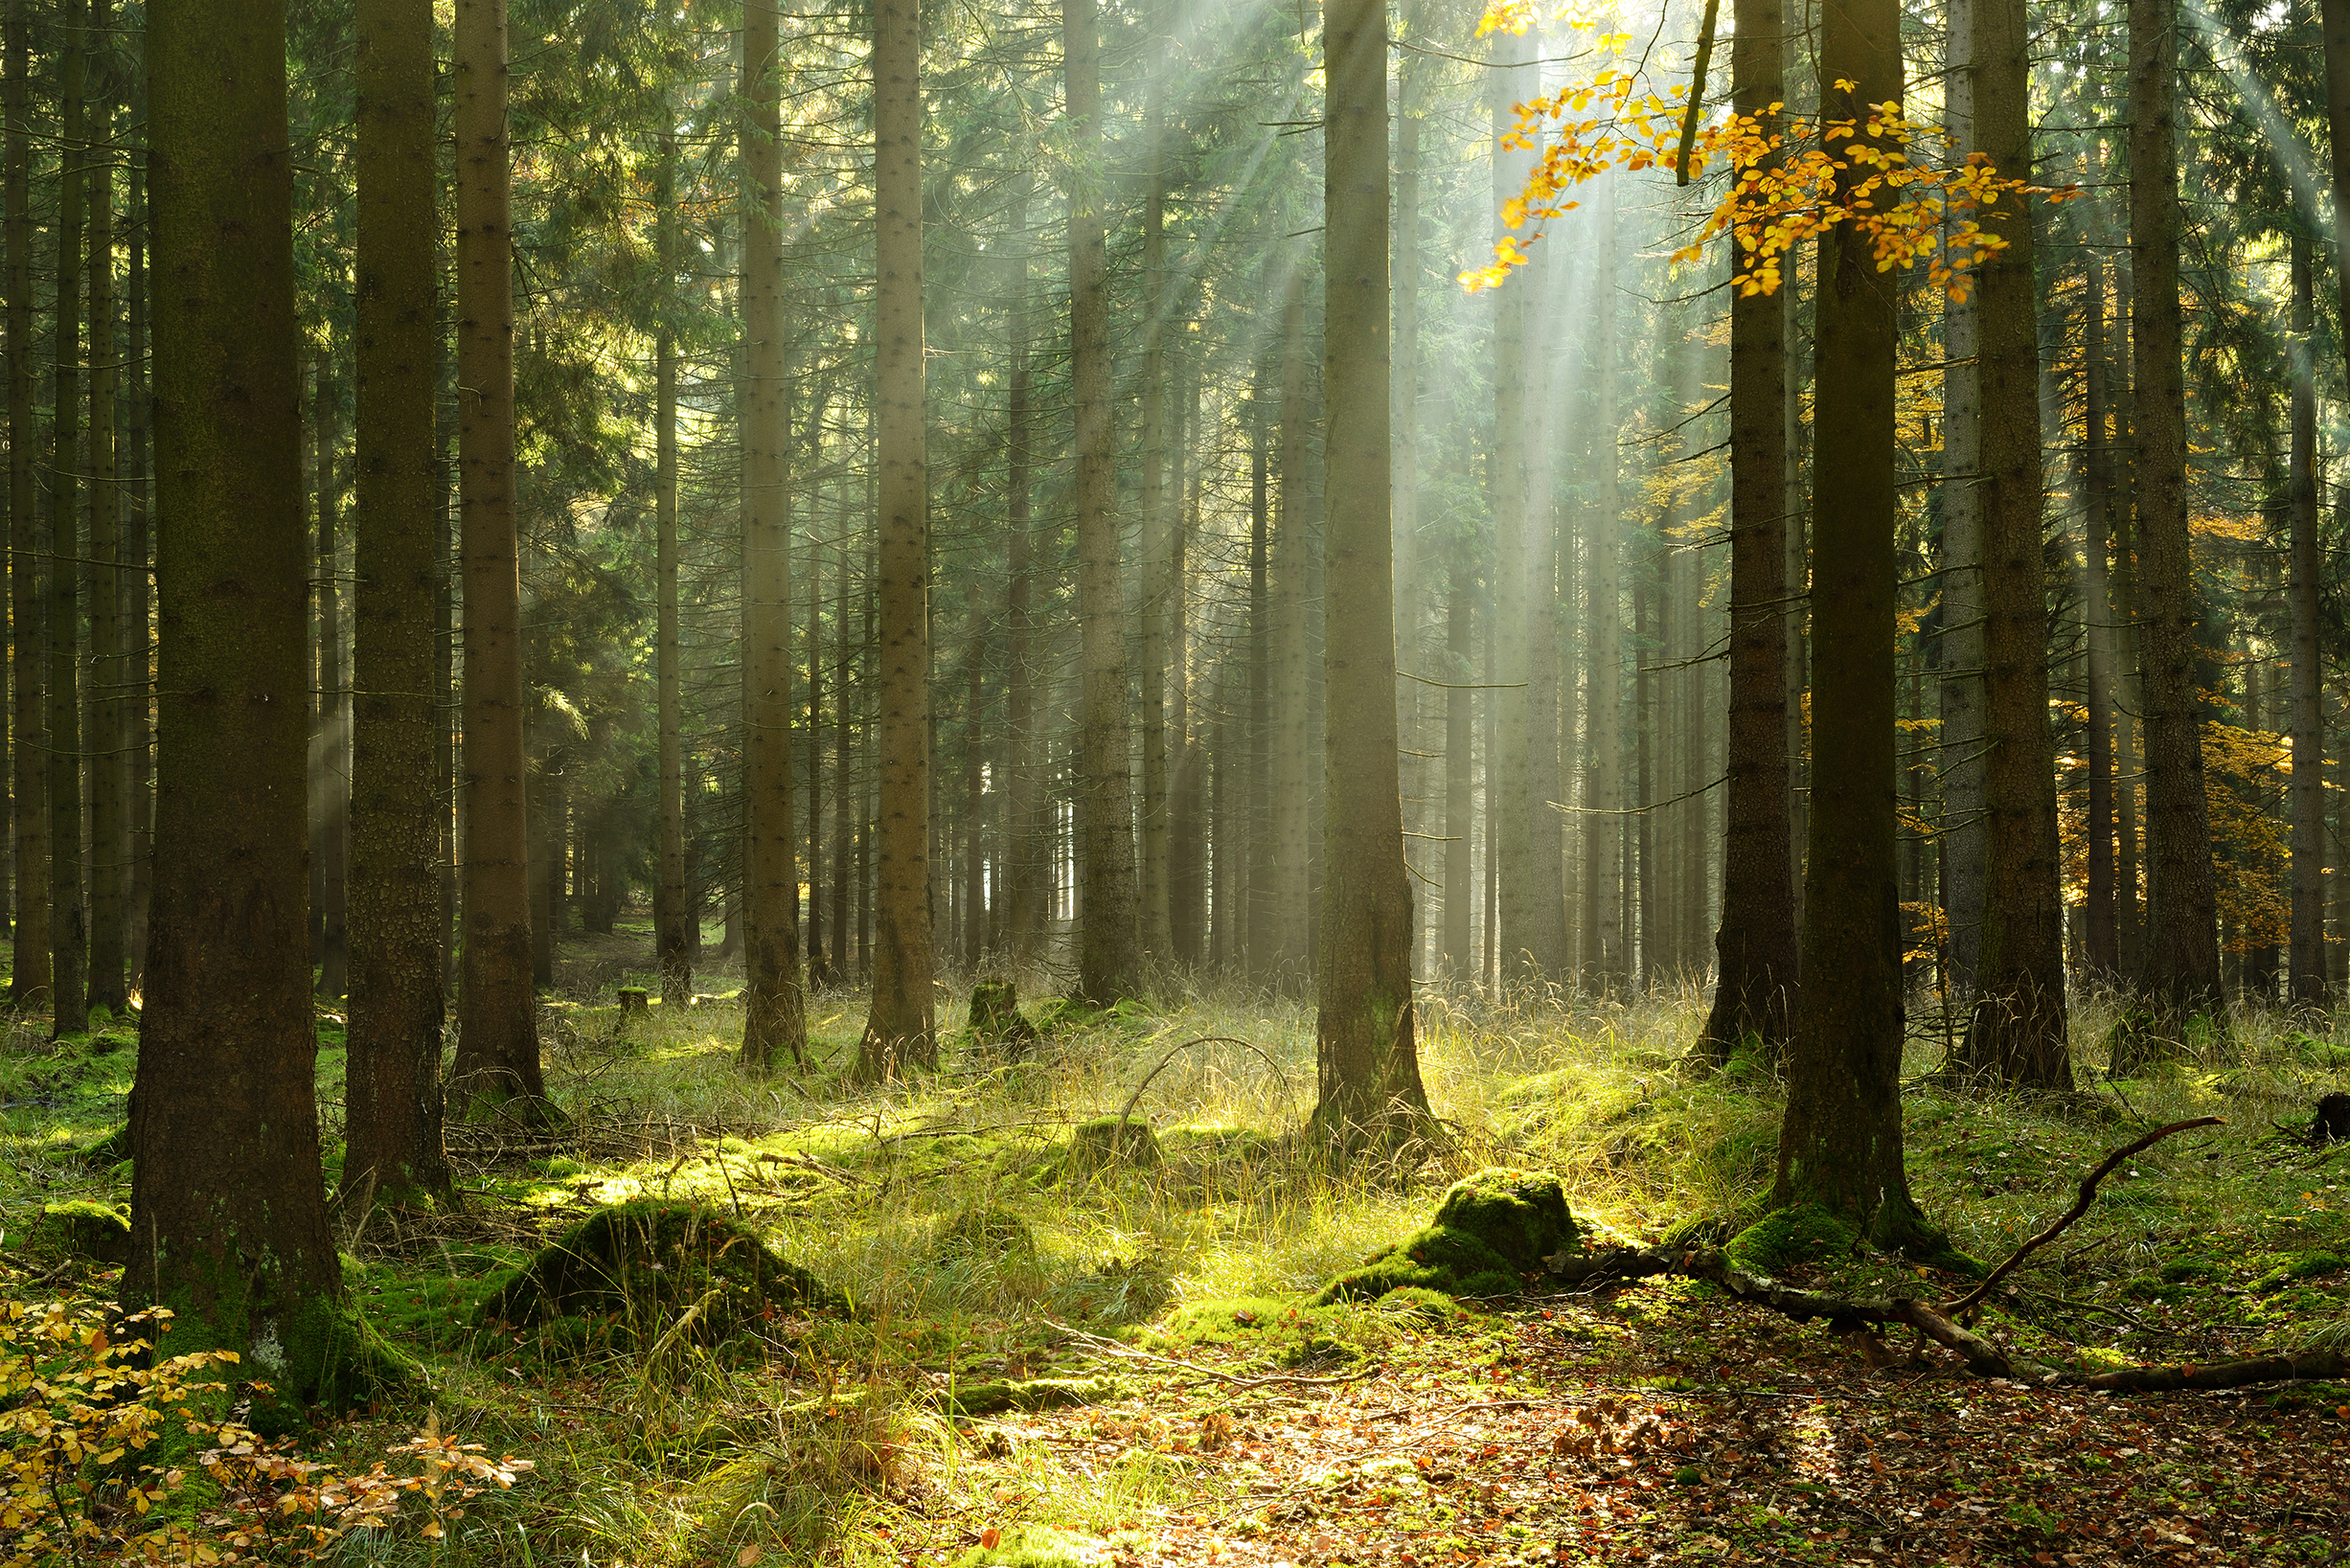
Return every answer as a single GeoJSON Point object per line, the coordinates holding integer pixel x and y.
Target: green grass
{"type": "Point", "coordinates": [945, 1212]}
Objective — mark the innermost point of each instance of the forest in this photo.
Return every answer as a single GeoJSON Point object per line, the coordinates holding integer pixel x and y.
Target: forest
{"type": "Point", "coordinates": [1163, 782]}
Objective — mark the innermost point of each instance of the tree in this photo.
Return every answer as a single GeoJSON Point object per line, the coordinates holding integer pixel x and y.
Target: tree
{"type": "Point", "coordinates": [1108, 959]}
{"type": "Point", "coordinates": [331, 791]}
{"type": "Point", "coordinates": [1755, 996]}
{"type": "Point", "coordinates": [773, 1017]}
{"type": "Point", "coordinates": [2182, 960]}
{"type": "Point", "coordinates": [393, 1096]}
{"type": "Point", "coordinates": [1840, 1140]}
{"type": "Point", "coordinates": [228, 1197]}
{"type": "Point", "coordinates": [902, 1028]}
{"type": "Point", "coordinates": [1510, 796]}
{"type": "Point", "coordinates": [496, 1072]}
{"type": "Point", "coordinates": [2307, 810]}
{"type": "Point", "coordinates": [1363, 1027]}
{"type": "Point", "coordinates": [109, 762]}
{"type": "Point", "coordinates": [2017, 1032]}
{"type": "Point", "coordinates": [672, 937]}
{"type": "Point", "coordinates": [29, 983]}
{"type": "Point", "coordinates": [69, 934]}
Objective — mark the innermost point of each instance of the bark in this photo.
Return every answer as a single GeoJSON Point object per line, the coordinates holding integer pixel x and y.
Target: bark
{"type": "Point", "coordinates": [496, 1072]}
{"type": "Point", "coordinates": [397, 1007]}
{"type": "Point", "coordinates": [673, 939]}
{"type": "Point", "coordinates": [109, 760]}
{"type": "Point", "coordinates": [138, 728]}
{"type": "Point", "coordinates": [1285, 954]}
{"type": "Point", "coordinates": [1962, 840]}
{"type": "Point", "coordinates": [774, 1017]}
{"type": "Point", "coordinates": [1022, 838]}
{"type": "Point", "coordinates": [330, 785]}
{"type": "Point", "coordinates": [846, 787]}
{"type": "Point", "coordinates": [902, 1028]}
{"type": "Point", "coordinates": [1460, 890]}
{"type": "Point", "coordinates": [69, 935]}
{"type": "Point", "coordinates": [1364, 1044]}
{"type": "Point", "coordinates": [1840, 1143]}
{"type": "Point", "coordinates": [2102, 933]}
{"type": "Point", "coordinates": [1405, 438]}
{"type": "Point", "coordinates": [1159, 583]}
{"type": "Point", "coordinates": [228, 1200]}
{"type": "Point", "coordinates": [2307, 806]}
{"type": "Point", "coordinates": [29, 976]}
{"type": "Point", "coordinates": [974, 898]}
{"type": "Point", "coordinates": [2182, 960]}
{"type": "Point", "coordinates": [819, 971]}
{"type": "Point", "coordinates": [1186, 830]}
{"type": "Point", "coordinates": [2129, 902]}
{"type": "Point", "coordinates": [1509, 794]}
{"type": "Point", "coordinates": [1608, 938]}
{"type": "Point", "coordinates": [1106, 960]}
{"type": "Point", "coordinates": [1755, 946]}
{"type": "Point", "coordinates": [1255, 940]}
{"type": "Point", "coordinates": [2017, 1035]}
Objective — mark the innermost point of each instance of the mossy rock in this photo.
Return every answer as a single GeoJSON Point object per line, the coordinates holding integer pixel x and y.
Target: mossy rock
{"type": "Point", "coordinates": [2300, 1267]}
{"type": "Point", "coordinates": [646, 1264]}
{"type": "Point", "coordinates": [996, 1021]}
{"type": "Point", "coordinates": [1108, 1143]}
{"type": "Point", "coordinates": [107, 1151]}
{"type": "Point", "coordinates": [1786, 1238]}
{"type": "Point", "coordinates": [1490, 1231]}
{"type": "Point", "coordinates": [96, 1232]}
{"type": "Point", "coordinates": [1024, 1394]}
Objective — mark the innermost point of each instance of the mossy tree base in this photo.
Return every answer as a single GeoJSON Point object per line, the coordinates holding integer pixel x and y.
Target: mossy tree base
{"type": "Point", "coordinates": [1490, 1231]}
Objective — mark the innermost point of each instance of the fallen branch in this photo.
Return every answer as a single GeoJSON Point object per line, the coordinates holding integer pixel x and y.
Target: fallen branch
{"type": "Point", "coordinates": [1974, 1298]}
{"type": "Point", "coordinates": [2283, 1367]}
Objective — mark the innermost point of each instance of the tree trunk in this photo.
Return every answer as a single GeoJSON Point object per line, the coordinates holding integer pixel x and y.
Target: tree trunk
{"type": "Point", "coordinates": [819, 971]}
{"type": "Point", "coordinates": [1756, 941]}
{"type": "Point", "coordinates": [1508, 792]}
{"type": "Point", "coordinates": [331, 787]}
{"type": "Point", "coordinates": [901, 1030]}
{"type": "Point", "coordinates": [2308, 787]}
{"type": "Point", "coordinates": [1257, 937]}
{"type": "Point", "coordinates": [138, 727]}
{"type": "Point", "coordinates": [397, 1005]}
{"type": "Point", "coordinates": [846, 787]}
{"type": "Point", "coordinates": [2102, 934]}
{"type": "Point", "coordinates": [69, 935]}
{"type": "Point", "coordinates": [2181, 962]}
{"type": "Point", "coordinates": [109, 760]}
{"type": "Point", "coordinates": [497, 1071]}
{"type": "Point", "coordinates": [774, 1019]}
{"type": "Point", "coordinates": [1159, 583]}
{"type": "Point", "coordinates": [974, 900]}
{"type": "Point", "coordinates": [1460, 888]}
{"type": "Point", "coordinates": [1961, 575]}
{"type": "Point", "coordinates": [1409, 265]}
{"type": "Point", "coordinates": [2017, 1033]}
{"type": "Point", "coordinates": [1186, 843]}
{"type": "Point", "coordinates": [28, 608]}
{"type": "Point", "coordinates": [1364, 1045]}
{"type": "Point", "coordinates": [672, 942]}
{"type": "Point", "coordinates": [1020, 834]}
{"type": "Point", "coordinates": [1607, 940]}
{"type": "Point", "coordinates": [228, 1198]}
{"type": "Point", "coordinates": [1840, 1143]}
{"type": "Point", "coordinates": [1294, 735]}
{"type": "Point", "coordinates": [1107, 966]}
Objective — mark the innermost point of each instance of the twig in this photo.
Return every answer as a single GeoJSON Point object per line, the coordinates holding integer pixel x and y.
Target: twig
{"type": "Point", "coordinates": [1167, 1061]}
{"type": "Point", "coordinates": [2080, 1205]}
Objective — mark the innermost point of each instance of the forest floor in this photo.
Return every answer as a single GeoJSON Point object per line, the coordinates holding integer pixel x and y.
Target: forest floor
{"type": "Point", "coordinates": [1214, 1415]}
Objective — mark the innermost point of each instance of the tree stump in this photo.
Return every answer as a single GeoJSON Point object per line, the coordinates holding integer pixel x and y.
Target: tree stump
{"type": "Point", "coordinates": [2331, 1123]}
{"type": "Point", "coordinates": [996, 1019]}
{"type": "Point", "coordinates": [635, 999]}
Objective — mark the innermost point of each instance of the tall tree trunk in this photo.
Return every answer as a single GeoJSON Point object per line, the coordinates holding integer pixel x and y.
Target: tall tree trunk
{"type": "Point", "coordinates": [109, 762]}
{"type": "Point", "coordinates": [1256, 942]}
{"type": "Point", "coordinates": [975, 896]}
{"type": "Point", "coordinates": [1460, 777]}
{"type": "Point", "coordinates": [1650, 924]}
{"type": "Point", "coordinates": [819, 969]}
{"type": "Point", "coordinates": [1404, 460]}
{"type": "Point", "coordinates": [1293, 729]}
{"type": "Point", "coordinates": [1962, 840]}
{"type": "Point", "coordinates": [1755, 944]}
{"type": "Point", "coordinates": [2129, 701]}
{"type": "Point", "coordinates": [1508, 792]}
{"type": "Point", "coordinates": [497, 1071]}
{"type": "Point", "coordinates": [1107, 959]}
{"type": "Point", "coordinates": [28, 609]}
{"type": "Point", "coordinates": [2307, 803]}
{"type": "Point", "coordinates": [331, 789]}
{"type": "Point", "coordinates": [2102, 933]}
{"type": "Point", "coordinates": [673, 939]}
{"type": "Point", "coordinates": [2182, 960]}
{"type": "Point", "coordinates": [138, 726]}
{"type": "Point", "coordinates": [228, 1197]}
{"type": "Point", "coordinates": [1022, 837]}
{"type": "Point", "coordinates": [774, 1018]}
{"type": "Point", "coordinates": [2017, 1033]}
{"type": "Point", "coordinates": [397, 1005]}
{"type": "Point", "coordinates": [1159, 583]}
{"type": "Point", "coordinates": [1608, 942]}
{"type": "Point", "coordinates": [846, 789]}
{"type": "Point", "coordinates": [1840, 1143]}
{"type": "Point", "coordinates": [901, 1027]}
{"type": "Point", "coordinates": [1186, 843]}
{"type": "Point", "coordinates": [1363, 1027]}
{"type": "Point", "coordinates": [69, 934]}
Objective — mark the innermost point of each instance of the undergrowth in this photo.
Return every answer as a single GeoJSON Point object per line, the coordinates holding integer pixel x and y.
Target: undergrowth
{"type": "Point", "coordinates": [971, 1253]}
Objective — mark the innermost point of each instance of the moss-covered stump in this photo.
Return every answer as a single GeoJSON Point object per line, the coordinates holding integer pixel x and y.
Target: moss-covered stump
{"type": "Point", "coordinates": [94, 1232]}
{"type": "Point", "coordinates": [988, 1232]}
{"type": "Point", "coordinates": [1109, 1143]}
{"type": "Point", "coordinates": [996, 1021]}
{"type": "Point", "coordinates": [1784, 1238]}
{"type": "Point", "coordinates": [648, 1265]}
{"type": "Point", "coordinates": [1490, 1231]}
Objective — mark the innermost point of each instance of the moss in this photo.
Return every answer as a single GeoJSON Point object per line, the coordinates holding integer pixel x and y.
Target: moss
{"type": "Point", "coordinates": [989, 1231]}
{"type": "Point", "coordinates": [1038, 1546]}
{"type": "Point", "coordinates": [1024, 1394]}
{"type": "Point", "coordinates": [1491, 1230]}
{"type": "Point", "coordinates": [996, 1020]}
{"type": "Point", "coordinates": [2297, 1268]}
{"type": "Point", "coordinates": [647, 1262]}
{"type": "Point", "coordinates": [1108, 1142]}
{"type": "Point", "coordinates": [106, 1153]}
{"type": "Point", "coordinates": [96, 1232]}
{"type": "Point", "coordinates": [1784, 1238]}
